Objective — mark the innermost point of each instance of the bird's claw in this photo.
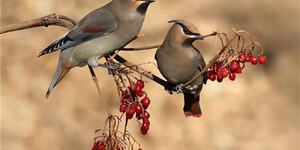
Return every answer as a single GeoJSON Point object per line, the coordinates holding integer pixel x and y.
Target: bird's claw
{"type": "Point", "coordinates": [179, 88]}
{"type": "Point", "coordinates": [192, 89]}
{"type": "Point", "coordinates": [113, 66]}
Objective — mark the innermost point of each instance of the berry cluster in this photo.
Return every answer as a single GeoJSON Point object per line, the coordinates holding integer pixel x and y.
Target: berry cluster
{"type": "Point", "coordinates": [100, 146]}
{"type": "Point", "coordinates": [111, 138]}
{"type": "Point", "coordinates": [221, 69]}
{"type": "Point", "coordinates": [135, 101]}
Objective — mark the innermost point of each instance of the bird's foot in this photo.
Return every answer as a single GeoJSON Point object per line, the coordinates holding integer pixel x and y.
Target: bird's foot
{"type": "Point", "coordinates": [192, 89]}
{"type": "Point", "coordinates": [113, 66]}
{"type": "Point", "coordinates": [179, 88]}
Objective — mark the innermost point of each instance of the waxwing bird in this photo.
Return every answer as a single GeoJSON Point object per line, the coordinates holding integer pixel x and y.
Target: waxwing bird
{"type": "Point", "coordinates": [179, 61]}
{"type": "Point", "coordinates": [98, 34]}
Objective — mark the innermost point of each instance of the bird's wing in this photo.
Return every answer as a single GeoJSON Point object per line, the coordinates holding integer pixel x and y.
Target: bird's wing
{"type": "Point", "coordinates": [96, 24]}
{"type": "Point", "coordinates": [200, 59]}
{"type": "Point", "coordinates": [201, 63]}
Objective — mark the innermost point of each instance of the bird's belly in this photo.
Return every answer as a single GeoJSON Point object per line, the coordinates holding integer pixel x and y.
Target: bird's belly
{"type": "Point", "coordinates": [96, 49]}
{"type": "Point", "coordinates": [104, 45]}
{"type": "Point", "coordinates": [177, 72]}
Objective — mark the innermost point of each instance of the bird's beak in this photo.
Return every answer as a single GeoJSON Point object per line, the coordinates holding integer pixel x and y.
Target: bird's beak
{"type": "Point", "coordinates": [147, 1]}
{"type": "Point", "coordinates": [197, 36]}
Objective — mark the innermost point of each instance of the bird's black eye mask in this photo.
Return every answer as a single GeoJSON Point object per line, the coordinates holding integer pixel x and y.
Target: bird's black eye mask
{"type": "Point", "coordinates": [187, 31]}
{"type": "Point", "coordinates": [184, 28]}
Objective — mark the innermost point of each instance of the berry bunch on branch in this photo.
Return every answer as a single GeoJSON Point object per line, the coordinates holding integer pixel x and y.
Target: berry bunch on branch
{"type": "Point", "coordinates": [111, 138]}
{"type": "Point", "coordinates": [133, 99]}
{"type": "Point", "coordinates": [231, 58]}
{"type": "Point", "coordinates": [238, 51]}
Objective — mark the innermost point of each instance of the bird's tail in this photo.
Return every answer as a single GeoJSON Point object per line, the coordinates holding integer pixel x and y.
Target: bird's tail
{"type": "Point", "coordinates": [60, 73]}
{"type": "Point", "coordinates": [191, 105]}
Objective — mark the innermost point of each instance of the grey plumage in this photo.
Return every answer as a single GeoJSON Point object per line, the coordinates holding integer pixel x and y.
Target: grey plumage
{"type": "Point", "coordinates": [179, 61]}
{"type": "Point", "coordinates": [98, 34]}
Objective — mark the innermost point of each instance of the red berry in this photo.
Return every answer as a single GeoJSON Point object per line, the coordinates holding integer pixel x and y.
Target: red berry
{"type": "Point", "coordinates": [139, 116]}
{"type": "Point", "coordinates": [138, 109]}
{"type": "Point", "coordinates": [123, 108]}
{"type": "Point", "coordinates": [249, 57]}
{"type": "Point", "coordinates": [140, 83]}
{"type": "Point", "coordinates": [140, 93]}
{"type": "Point", "coordinates": [98, 146]}
{"type": "Point", "coordinates": [146, 115]}
{"type": "Point", "coordinates": [231, 76]}
{"type": "Point", "coordinates": [239, 71]}
{"type": "Point", "coordinates": [234, 66]}
{"type": "Point", "coordinates": [137, 88]}
{"type": "Point", "coordinates": [145, 126]}
{"type": "Point", "coordinates": [262, 59]}
{"type": "Point", "coordinates": [129, 113]}
{"type": "Point", "coordinates": [145, 102]}
{"type": "Point", "coordinates": [220, 74]}
{"type": "Point", "coordinates": [146, 122]}
{"type": "Point", "coordinates": [101, 146]}
{"type": "Point", "coordinates": [144, 131]}
{"type": "Point", "coordinates": [242, 57]}
{"type": "Point", "coordinates": [212, 77]}
{"type": "Point", "coordinates": [219, 79]}
{"type": "Point", "coordinates": [253, 60]}
{"type": "Point", "coordinates": [225, 72]}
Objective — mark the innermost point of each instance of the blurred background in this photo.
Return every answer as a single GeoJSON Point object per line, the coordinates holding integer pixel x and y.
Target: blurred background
{"type": "Point", "coordinates": [258, 111]}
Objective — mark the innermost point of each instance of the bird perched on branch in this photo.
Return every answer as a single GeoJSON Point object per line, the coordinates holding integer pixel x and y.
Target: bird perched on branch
{"type": "Point", "coordinates": [98, 34]}
{"type": "Point", "coordinates": [179, 61]}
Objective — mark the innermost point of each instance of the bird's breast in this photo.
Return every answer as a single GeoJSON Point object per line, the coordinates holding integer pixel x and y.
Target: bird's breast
{"type": "Point", "coordinates": [177, 66]}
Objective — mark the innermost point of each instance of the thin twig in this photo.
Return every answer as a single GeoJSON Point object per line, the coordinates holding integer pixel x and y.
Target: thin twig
{"type": "Point", "coordinates": [140, 48]}
{"type": "Point", "coordinates": [99, 90]}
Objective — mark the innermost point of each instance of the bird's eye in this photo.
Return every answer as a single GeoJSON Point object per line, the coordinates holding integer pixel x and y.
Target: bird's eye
{"type": "Point", "coordinates": [187, 31]}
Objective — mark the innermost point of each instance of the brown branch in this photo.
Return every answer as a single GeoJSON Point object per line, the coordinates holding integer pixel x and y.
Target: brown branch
{"type": "Point", "coordinates": [52, 19]}
{"type": "Point", "coordinates": [140, 48]}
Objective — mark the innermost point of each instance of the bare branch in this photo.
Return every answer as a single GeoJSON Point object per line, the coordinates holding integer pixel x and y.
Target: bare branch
{"type": "Point", "coordinates": [140, 48]}
{"type": "Point", "coordinates": [52, 19]}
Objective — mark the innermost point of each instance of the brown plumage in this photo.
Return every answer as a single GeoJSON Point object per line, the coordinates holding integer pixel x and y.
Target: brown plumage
{"type": "Point", "coordinates": [179, 61]}
{"type": "Point", "coordinates": [98, 34]}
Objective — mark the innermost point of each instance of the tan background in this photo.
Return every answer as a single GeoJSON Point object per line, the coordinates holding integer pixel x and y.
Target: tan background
{"type": "Point", "coordinates": [259, 111]}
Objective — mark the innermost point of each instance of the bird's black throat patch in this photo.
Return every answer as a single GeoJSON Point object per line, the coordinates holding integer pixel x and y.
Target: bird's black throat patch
{"type": "Point", "coordinates": [143, 8]}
